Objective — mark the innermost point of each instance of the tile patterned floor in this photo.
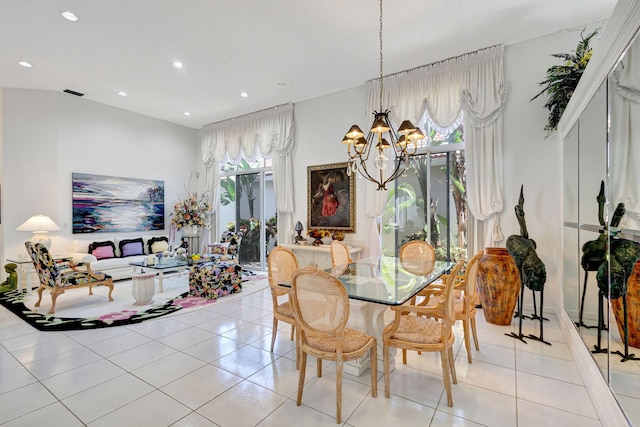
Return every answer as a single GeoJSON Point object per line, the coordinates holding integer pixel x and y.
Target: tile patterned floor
{"type": "Point", "coordinates": [212, 367]}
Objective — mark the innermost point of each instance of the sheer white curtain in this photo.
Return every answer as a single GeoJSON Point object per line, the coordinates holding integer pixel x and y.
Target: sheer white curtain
{"type": "Point", "coordinates": [268, 132]}
{"type": "Point", "coordinates": [473, 83]}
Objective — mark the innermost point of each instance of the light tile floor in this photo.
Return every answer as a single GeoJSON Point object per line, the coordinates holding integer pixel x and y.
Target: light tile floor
{"type": "Point", "coordinates": [212, 367]}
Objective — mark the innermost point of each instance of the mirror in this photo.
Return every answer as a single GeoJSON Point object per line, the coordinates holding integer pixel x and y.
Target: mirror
{"type": "Point", "coordinates": [624, 182]}
{"type": "Point", "coordinates": [571, 248]}
{"type": "Point", "coordinates": [601, 168]}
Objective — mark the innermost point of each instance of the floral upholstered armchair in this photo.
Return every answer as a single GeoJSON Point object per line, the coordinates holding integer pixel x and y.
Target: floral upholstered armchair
{"type": "Point", "coordinates": [61, 276]}
{"type": "Point", "coordinates": [227, 249]}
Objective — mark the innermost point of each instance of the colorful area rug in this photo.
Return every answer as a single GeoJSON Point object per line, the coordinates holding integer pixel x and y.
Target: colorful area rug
{"type": "Point", "coordinates": [120, 312]}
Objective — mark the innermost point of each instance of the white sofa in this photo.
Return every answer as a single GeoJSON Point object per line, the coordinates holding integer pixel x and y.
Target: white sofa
{"type": "Point", "coordinates": [118, 267]}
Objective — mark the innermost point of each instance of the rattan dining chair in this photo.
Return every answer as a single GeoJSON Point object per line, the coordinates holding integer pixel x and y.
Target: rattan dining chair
{"type": "Point", "coordinates": [321, 309]}
{"type": "Point", "coordinates": [418, 257]}
{"type": "Point", "coordinates": [424, 329]}
{"type": "Point", "coordinates": [340, 253]}
{"type": "Point", "coordinates": [464, 302]}
{"type": "Point", "coordinates": [281, 264]}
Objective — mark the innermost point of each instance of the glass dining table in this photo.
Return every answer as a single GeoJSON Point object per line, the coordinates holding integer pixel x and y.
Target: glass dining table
{"type": "Point", "coordinates": [374, 284]}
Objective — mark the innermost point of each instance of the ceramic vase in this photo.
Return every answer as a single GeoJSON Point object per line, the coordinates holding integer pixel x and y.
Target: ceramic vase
{"type": "Point", "coordinates": [498, 283]}
{"type": "Point", "coordinates": [190, 230]}
{"type": "Point", "coordinates": [633, 309]}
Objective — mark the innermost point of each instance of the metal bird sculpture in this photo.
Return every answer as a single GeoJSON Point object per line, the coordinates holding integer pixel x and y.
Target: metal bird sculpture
{"type": "Point", "coordinates": [533, 273]}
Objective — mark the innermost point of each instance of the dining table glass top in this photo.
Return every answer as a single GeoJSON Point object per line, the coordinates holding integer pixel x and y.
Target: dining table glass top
{"type": "Point", "coordinates": [385, 279]}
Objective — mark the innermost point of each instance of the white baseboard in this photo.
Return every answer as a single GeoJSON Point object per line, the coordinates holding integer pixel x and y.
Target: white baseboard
{"type": "Point", "coordinates": [604, 402]}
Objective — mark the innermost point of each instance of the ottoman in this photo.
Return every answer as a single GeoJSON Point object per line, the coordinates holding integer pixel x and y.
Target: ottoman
{"type": "Point", "coordinates": [212, 280]}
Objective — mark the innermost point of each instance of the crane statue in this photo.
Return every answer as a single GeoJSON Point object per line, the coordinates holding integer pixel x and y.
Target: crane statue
{"type": "Point", "coordinates": [533, 273]}
{"type": "Point", "coordinates": [623, 255]}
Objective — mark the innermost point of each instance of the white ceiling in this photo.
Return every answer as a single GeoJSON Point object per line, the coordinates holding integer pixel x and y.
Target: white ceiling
{"type": "Point", "coordinates": [228, 47]}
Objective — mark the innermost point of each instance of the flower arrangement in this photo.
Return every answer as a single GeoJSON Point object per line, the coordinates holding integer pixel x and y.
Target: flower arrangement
{"type": "Point", "coordinates": [191, 211]}
{"type": "Point", "coordinates": [318, 233]}
{"type": "Point", "coordinates": [562, 80]}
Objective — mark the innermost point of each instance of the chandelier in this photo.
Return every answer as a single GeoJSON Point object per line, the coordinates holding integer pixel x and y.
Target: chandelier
{"type": "Point", "coordinates": [369, 155]}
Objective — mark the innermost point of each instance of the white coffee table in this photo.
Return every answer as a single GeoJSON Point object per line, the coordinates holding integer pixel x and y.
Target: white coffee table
{"type": "Point", "coordinates": [160, 267]}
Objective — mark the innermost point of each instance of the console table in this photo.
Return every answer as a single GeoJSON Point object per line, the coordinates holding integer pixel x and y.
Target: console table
{"type": "Point", "coordinates": [318, 256]}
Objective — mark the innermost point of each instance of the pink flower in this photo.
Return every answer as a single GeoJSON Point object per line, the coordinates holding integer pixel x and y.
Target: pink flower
{"type": "Point", "coordinates": [190, 301]}
{"type": "Point", "coordinates": [122, 315]}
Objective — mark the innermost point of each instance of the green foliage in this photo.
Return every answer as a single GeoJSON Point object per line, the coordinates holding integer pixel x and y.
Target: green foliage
{"type": "Point", "coordinates": [562, 80]}
{"type": "Point", "coordinates": [233, 190]}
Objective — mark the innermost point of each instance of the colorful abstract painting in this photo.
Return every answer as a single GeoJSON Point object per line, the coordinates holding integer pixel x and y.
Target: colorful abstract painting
{"type": "Point", "coordinates": [115, 204]}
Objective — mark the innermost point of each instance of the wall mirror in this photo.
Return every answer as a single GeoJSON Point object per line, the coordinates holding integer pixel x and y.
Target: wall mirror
{"type": "Point", "coordinates": [601, 157]}
{"type": "Point", "coordinates": [624, 187]}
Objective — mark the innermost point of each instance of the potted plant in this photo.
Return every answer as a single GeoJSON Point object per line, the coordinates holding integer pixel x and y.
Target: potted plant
{"type": "Point", "coordinates": [562, 80]}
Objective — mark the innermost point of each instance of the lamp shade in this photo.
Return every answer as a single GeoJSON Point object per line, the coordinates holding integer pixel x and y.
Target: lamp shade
{"type": "Point", "coordinates": [38, 223]}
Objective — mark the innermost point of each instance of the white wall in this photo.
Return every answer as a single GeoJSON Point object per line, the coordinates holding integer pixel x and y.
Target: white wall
{"type": "Point", "coordinates": [49, 135]}
{"type": "Point", "coordinates": [529, 158]}
{"type": "Point", "coordinates": [320, 126]}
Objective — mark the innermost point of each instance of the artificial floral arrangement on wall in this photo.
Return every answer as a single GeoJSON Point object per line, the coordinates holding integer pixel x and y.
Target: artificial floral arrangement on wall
{"type": "Point", "coordinates": [562, 80]}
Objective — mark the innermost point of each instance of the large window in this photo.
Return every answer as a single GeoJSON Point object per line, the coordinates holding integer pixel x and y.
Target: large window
{"type": "Point", "coordinates": [247, 204]}
{"type": "Point", "coordinates": [429, 202]}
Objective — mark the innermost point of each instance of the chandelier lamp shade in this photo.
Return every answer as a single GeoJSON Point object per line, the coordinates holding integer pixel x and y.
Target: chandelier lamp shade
{"type": "Point", "coordinates": [39, 225]}
{"type": "Point", "coordinates": [371, 155]}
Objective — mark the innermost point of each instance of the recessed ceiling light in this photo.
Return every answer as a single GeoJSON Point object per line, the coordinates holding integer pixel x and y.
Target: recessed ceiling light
{"type": "Point", "coordinates": [123, 93]}
{"type": "Point", "coordinates": [69, 16]}
{"type": "Point", "coordinates": [244, 95]}
{"type": "Point", "coordinates": [177, 64]}
{"type": "Point", "coordinates": [281, 83]}
{"type": "Point", "coordinates": [25, 64]}
{"type": "Point", "coordinates": [186, 113]}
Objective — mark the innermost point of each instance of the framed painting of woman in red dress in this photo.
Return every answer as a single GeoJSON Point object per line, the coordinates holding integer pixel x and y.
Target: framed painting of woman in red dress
{"type": "Point", "coordinates": [331, 197]}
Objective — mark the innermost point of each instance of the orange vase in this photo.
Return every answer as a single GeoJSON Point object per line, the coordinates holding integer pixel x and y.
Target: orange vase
{"type": "Point", "coordinates": [498, 285]}
{"type": "Point", "coordinates": [633, 309]}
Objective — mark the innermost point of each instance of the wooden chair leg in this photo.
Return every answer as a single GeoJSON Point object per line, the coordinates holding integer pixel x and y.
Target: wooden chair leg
{"type": "Point", "coordinates": [55, 292]}
{"type": "Point", "coordinates": [385, 362]}
{"type": "Point", "coordinates": [274, 333]}
{"type": "Point", "coordinates": [319, 367]}
{"type": "Point", "coordinates": [452, 364]}
{"type": "Point", "coordinates": [293, 330]}
{"type": "Point", "coordinates": [444, 359]}
{"type": "Point", "coordinates": [475, 332]}
{"type": "Point", "coordinates": [303, 366]}
{"type": "Point", "coordinates": [339, 391]}
{"type": "Point", "coordinates": [467, 339]}
{"type": "Point", "coordinates": [404, 356]}
{"type": "Point", "coordinates": [110, 286]}
{"type": "Point", "coordinates": [373, 355]}
{"type": "Point", "coordinates": [40, 290]}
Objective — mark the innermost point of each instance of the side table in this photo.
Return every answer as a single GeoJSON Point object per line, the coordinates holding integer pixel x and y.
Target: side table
{"type": "Point", "coordinates": [24, 273]}
{"type": "Point", "coordinates": [143, 288]}
{"type": "Point", "coordinates": [25, 270]}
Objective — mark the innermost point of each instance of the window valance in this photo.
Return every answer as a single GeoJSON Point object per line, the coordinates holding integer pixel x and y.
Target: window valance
{"type": "Point", "coordinates": [472, 83]}
{"type": "Point", "coordinates": [268, 132]}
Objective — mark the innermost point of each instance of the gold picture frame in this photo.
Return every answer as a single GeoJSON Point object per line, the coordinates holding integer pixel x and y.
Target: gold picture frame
{"type": "Point", "coordinates": [331, 198]}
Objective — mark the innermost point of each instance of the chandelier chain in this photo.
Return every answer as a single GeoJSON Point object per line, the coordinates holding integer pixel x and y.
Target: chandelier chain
{"type": "Point", "coordinates": [381, 56]}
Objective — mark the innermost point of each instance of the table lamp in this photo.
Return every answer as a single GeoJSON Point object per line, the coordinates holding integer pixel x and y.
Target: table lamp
{"type": "Point", "coordinates": [39, 225]}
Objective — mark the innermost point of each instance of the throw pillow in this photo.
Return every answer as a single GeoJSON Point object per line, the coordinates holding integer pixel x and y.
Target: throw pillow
{"type": "Point", "coordinates": [154, 247]}
{"type": "Point", "coordinates": [131, 247]}
{"type": "Point", "coordinates": [159, 246]}
{"type": "Point", "coordinates": [218, 248]}
{"type": "Point", "coordinates": [102, 250]}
